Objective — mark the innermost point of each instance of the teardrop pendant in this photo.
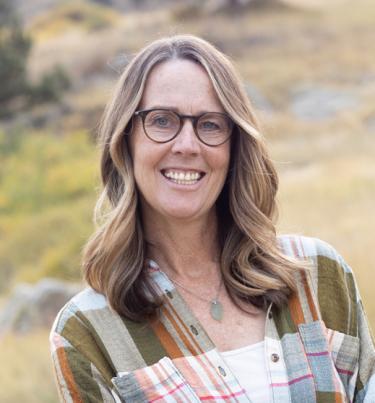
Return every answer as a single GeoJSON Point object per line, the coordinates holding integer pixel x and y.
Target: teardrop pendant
{"type": "Point", "coordinates": [216, 310]}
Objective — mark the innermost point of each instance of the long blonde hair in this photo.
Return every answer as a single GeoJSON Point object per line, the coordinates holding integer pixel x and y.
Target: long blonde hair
{"type": "Point", "coordinates": [253, 266]}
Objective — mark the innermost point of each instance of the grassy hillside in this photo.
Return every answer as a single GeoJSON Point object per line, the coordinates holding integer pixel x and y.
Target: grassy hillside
{"type": "Point", "coordinates": [49, 178]}
{"type": "Point", "coordinates": [326, 166]}
{"type": "Point", "coordinates": [26, 370]}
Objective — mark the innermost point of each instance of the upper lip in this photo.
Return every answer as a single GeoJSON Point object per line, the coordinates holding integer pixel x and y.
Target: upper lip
{"type": "Point", "coordinates": [183, 169]}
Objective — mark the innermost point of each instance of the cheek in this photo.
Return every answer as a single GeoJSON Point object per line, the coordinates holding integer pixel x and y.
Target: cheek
{"type": "Point", "coordinates": [136, 140]}
{"type": "Point", "coordinates": [135, 147]}
{"type": "Point", "coordinates": [146, 157]}
{"type": "Point", "coordinates": [141, 166]}
{"type": "Point", "coordinates": [219, 163]}
{"type": "Point", "coordinates": [223, 159]}
{"type": "Point", "coordinates": [225, 163]}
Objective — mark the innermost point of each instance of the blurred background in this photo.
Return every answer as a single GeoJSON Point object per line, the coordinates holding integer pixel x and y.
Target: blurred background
{"type": "Point", "coordinates": [308, 67]}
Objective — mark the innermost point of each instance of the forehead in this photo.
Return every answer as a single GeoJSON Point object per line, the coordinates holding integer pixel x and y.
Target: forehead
{"type": "Point", "coordinates": [182, 84]}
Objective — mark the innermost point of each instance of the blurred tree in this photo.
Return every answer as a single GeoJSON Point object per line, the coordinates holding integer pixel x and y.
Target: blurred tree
{"type": "Point", "coordinates": [14, 50]}
{"type": "Point", "coordinates": [50, 87]}
{"type": "Point", "coordinates": [16, 92]}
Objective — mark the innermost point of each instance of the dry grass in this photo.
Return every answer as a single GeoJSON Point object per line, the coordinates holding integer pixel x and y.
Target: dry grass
{"type": "Point", "coordinates": [83, 53]}
{"type": "Point", "coordinates": [82, 15]}
{"type": "Point", "coordinates": [327, 191]}
{"type": "Point", "coordinates": [26, 370]}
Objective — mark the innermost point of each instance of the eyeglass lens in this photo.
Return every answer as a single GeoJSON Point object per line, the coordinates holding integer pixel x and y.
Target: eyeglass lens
{"type": "Point", "coordinates": [212, 128]}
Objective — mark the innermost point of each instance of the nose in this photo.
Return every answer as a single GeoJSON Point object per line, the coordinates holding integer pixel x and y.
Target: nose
{"type": "Point", "coordinates": [186, 141]}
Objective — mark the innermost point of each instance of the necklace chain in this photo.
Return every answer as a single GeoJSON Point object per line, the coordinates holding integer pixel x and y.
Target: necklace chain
{"type": "Point", "coordinates": [216, 308]}
{"type": "Point", "coordinates": [198, 296]}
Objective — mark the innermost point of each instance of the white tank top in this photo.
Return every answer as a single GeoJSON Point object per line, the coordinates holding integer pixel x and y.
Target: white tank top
{"type": "Point", "coordinates": [248, 364]}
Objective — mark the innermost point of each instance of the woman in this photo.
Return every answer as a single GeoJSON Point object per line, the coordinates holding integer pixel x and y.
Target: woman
{"type": "Point", "coordinates": [192, 296]}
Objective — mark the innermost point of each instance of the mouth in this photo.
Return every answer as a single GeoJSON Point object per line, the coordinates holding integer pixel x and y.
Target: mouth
{"type": "Point", "coordinates": [183, 177]}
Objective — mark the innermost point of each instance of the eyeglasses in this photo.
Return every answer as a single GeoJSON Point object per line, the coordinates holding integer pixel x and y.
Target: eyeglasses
{"type": "Point", "coordinates": [163, 125]}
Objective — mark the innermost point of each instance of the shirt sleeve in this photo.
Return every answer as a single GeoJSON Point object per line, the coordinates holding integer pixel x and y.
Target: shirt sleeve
{"type": "Point", "coordinates": [81, 372]}
{"type": "Point", "coordinates": [365, 384]}
{"type": "Point", "coordinates": [342, 309]}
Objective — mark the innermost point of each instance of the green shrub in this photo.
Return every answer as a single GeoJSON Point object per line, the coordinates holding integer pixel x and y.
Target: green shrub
{"type": "Point", "coordinates": [46, 201]}
{"type": "Point", "coordinates": [50, 88]}
{"type": "Point", "coordinates": [14, 50]}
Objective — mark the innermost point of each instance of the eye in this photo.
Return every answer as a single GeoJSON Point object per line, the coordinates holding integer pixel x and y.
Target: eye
{"type": "Point", "coordinates": [161, 120]}
{"type": "Point", "coordinates": [209, 125]}
{"type": "Point", "coordinates": [213, 124]}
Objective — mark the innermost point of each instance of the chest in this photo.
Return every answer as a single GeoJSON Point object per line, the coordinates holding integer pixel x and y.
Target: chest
{"type": "Point", "coordinates": [237, 327]}
{"type": "Point", "coordinates": [306, 361]}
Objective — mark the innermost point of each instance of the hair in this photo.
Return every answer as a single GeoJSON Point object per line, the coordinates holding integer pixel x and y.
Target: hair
{"type": "Point", "coordinates": [254, 268]}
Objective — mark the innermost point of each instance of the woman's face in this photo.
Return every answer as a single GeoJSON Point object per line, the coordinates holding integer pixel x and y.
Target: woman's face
{"type": "Point", "coordinates": [180, 179]}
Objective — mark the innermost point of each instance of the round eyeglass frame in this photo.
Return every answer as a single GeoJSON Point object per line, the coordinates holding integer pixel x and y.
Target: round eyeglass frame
{"type": "Point", "coordinates": [143, 113]}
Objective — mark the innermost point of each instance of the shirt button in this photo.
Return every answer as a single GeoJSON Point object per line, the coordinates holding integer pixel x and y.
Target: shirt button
{"type": "Point", "coordinates": [275, 357]}
{"type": "Point", "coordinates": [194, 330]}
{"type": "Point", "coordinates": [222, 371]}
{"type": "Point", "coordinates": [170, 295]}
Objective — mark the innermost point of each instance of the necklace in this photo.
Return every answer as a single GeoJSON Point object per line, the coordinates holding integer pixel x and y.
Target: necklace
{"type": "Point", "coordinates": [216, 307]}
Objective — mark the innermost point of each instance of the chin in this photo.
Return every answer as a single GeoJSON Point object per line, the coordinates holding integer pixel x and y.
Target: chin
{"type": "Point", "coordinates": [182, 215]}
{"type": "Point", "coordinates": [177, 208]}
{"type": "Point", "coordinates": [184, 212]}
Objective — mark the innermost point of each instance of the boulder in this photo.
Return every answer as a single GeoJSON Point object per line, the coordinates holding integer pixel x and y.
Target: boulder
{"type": "Point", "coordinates": [370, 124]}
{"type": "Point", "coordinates": [35, 306]}
{"type": "Point", "coordinates": [258, 99]}
{"type": "Point", "coordinates": [319, 103]}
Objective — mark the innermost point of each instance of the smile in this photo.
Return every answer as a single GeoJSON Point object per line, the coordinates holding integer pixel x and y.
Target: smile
{"type": "Point", "coordinates": [182, 177]}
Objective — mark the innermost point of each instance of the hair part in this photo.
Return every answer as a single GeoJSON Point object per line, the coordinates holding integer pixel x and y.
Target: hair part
{"type": "Point", "coordinates": [253, 266]}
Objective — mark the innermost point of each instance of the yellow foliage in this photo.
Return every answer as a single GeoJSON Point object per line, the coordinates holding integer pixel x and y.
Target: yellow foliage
{"type": "Point", "coordinates": [48, 185]}
{"type": "Point", "coordinates": [81, 15]}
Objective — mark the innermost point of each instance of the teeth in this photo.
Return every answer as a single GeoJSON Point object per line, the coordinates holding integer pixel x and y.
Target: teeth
{"type": "Point", "coordinates": [183, 178]}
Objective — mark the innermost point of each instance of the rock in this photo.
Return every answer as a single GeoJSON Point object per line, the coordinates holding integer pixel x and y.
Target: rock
{"type": "Point", "coordinates": [35, 306]}
{"type": "Point", "coordinates": [118, 63]}
{"type": "Point", "coordinates": [319, 103]}
{"type": "Point", "coordinates": [258, 99]}
{"type": "Point", "coordinates": [370, 124]}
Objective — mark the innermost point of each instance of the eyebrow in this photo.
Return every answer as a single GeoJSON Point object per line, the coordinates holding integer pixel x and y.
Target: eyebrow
{"type": "Point", "coordinates": [174, 109]}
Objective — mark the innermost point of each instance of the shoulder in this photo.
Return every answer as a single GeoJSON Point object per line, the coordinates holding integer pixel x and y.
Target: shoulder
{"type": "Point", "coordinates": [322, 256]}
{"type": "Point", "coordinates": [328, 277]}
{"type": "Point", "coordinates": [84, 325]}
{"type": "Point", "coordinates": [76, 313]}
{"type": "Point", "coordinates": [304, 246]}
{"type": "Point", "coordinates": [82, 364]}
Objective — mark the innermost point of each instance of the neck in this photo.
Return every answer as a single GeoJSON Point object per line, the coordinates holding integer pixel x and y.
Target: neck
{"type": "Point", "coordinates": [186, 251]}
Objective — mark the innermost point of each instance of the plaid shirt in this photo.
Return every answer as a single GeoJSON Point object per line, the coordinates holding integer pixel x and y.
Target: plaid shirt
{"type": "Point", "coordinates": [318, 347]}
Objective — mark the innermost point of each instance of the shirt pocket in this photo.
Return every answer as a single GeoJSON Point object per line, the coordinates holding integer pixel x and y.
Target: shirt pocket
{"type": "Point", "coordinates": [333, 358]}
{"type": "Point", "coordinates": [160, 382]}
{"type": "Point", "coordinates": [345, 355]}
